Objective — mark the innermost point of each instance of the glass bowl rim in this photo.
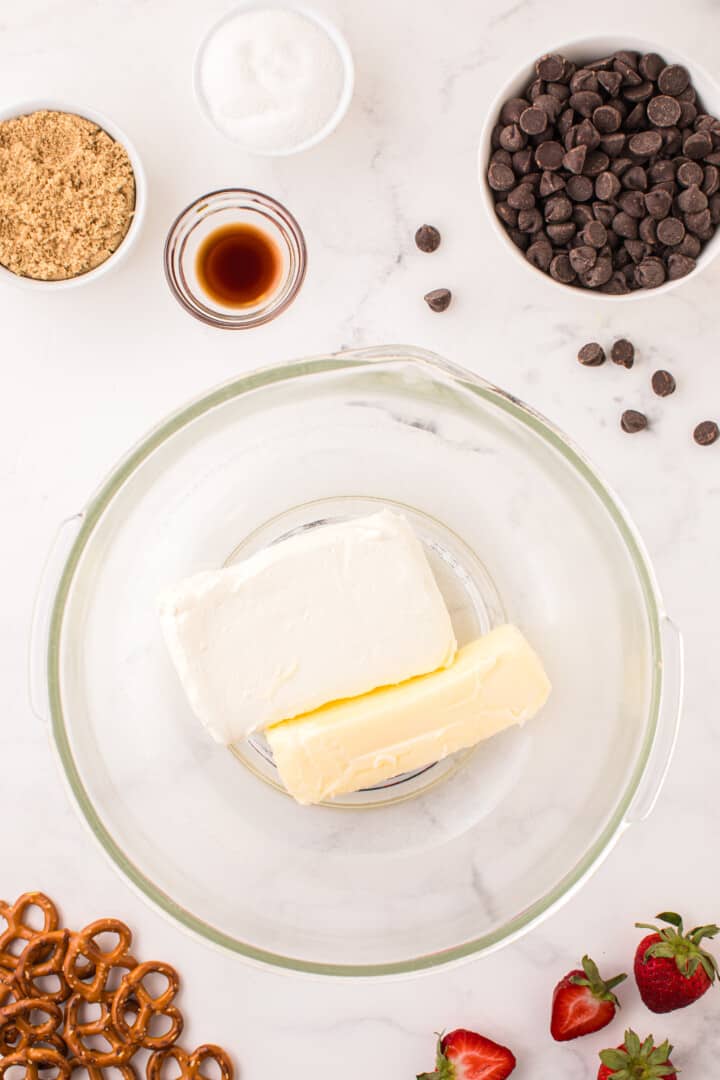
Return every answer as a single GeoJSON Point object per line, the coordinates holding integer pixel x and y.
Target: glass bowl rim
{"type": "Point", "coordinates": [171, 425]}
{"type": "Point", "coordinates": [263, 315]}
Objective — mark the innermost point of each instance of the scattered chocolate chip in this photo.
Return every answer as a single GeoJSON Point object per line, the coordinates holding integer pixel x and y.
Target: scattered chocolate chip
{"type": "Point", "coordinates": [706, 433]}
{"type": "Point", "coordinates": [623, 353]}
{"type": "Point", "coordinates": [427, 238]}
{"type": "Point", "coordinates": [664, 111]}
{"type": "Point", "coordinates": [673, 79]}
{"type": "Point", "coordinates": [670, 231]}
{"type": "Point", "coordinates": [438, 299]}
{"type": "Point", "coordinates": [633, 421]}
{"type": "Point", "coordinates": [663, 383]}
{"type": "Point", "coordinates": [592, 354]}
{"type": "Point", "coordinates": [658, 203]}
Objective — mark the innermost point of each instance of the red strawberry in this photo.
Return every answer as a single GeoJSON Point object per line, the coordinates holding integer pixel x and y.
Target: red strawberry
{"type": "Point", "coordinates": [582, 1002]}
{"type": "Point", "coordinates": [463, 1055]}
{"type": "Point", "coordinates": [671, 970]}
{"type": "Point", "coordinates": [636, 1061]}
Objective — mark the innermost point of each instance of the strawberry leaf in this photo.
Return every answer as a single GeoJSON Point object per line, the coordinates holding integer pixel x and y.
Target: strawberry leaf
{"type": "Point", "coordinates": [672, 918]}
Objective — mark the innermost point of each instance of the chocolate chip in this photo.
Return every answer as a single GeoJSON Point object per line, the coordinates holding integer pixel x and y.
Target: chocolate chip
{"type": "Point", "coordinates": [635, 179]}
{"type": "Point", "coordinates": [579, 188]}
{"type": "Point", "coordinates": [641, 92]}
{"type": "Point", "coordinates": [530, 221]}
{"type": "Point", "coordinates": [591, 355]}
{"type": "Point", "coordinates": [550, 105]}
{"type": "Point", "coordinates": [583, 79]}
{"type": "Point", "coordinates": [512, 110]}
{"type": "Point", "coordinates": [594, 234]}
{"type": "Point", "coordinates": [636, 118]}
{"type": "Point", "coordinates": [582, 259]}
{"type": "Point", "coordinates": [630, 77]}
{"type": "Point", "coordinates": [664, 111]}
{"type": "Point", "coordinates": [692, 200]}
{"type": "Point", "coordinates": [550, 67]}
{"type": "Point", "coordinates": [438, 299]}
{"type": "Point", "coordinates": [557, 90]}
{"type": "Point", "coordinates": [661, 170]}
{"type": "Point", "coordinates": [648, 230]}
{"type": "Point", "coordinates": [610, 81]}
{"type": "Point", "coordinates": [691, 246]}
{"type": "Point", "coordinates": [663, 383]}
{"type": "Point", "coordinates": [561, 232]}
{"type": "Point", "coordinates": [689, 172]}
{"type": "Point", "coordinates": [533, 120]}
{"type": "Point", "coordinates": [636, 249]}
{"type": "Point", "coordinates": [629, 57]}
{"type": "Point", "coordinates": [614, 144]}
{"type": "Point", "coordinates": [645, 143]}
{"type": "Point", "coordinates": [581, 215]}
{"type": "Point", "coordinates": [697, 145]}
{"type": "Point", "coordinates": [607, 119]}
{"type": "Point", "coordinates": [599, 274]}
{"type": "Point", "coordinates": [585, 102]}
{"type": "Point", "coordinates": [607, 186]}
{"type": "Point", "coordinates": [565, 122]}
{"type": "Point", "coordinates": [501, 177]}
{"type": "Point", "coordinates": [507, 214]}
{"type": "Point", "coordinates": [650, 272]}
{"type": "Point", "coordinates": [706, 433]}
{"type": "Point", "coordinates": [427, 238]}
{"type": "Point", "coordinates": [670, 231]}
{"type": "Point", "coordinates": [699, 223]}
{"type": "Point", "coordinates": [688, 114]}
{"type": "Point", "coordinates": [522, 197]}
{"type": "Point", "coordinates": [535, 89]}
{"type": "Point", "coordinates": [512, 138]}
{"type": "Point", "coordinates": [550, 182]}
{"type": "Point", "coordinates": [620, 165]}
{"type": "Point", "coordinates": [672, 139]}
{"type": "Point", "coordinates": [595, 163]}
{"type": "Point", "coordinates": [625, 225]}
{"type": "Point", "coordinates": [623, 353]}
{"type": "Point", "coordinates": [715, 209]}
{"type": "Point", "coordinates": [673, 79]}
{"type": "Point", "coordinates": [632, 203]}
{"type": "Point", "coordinates": [549, 154]}
{"type": "Point", "coordinates": [558, 208]}
{"type": "Point", "coordinates": [711, 180]}
{"type": "Point", "coordinates": [540, 254]}
{"type": "Point", "coordinates": [633, 421]}
{"type": "Point", "coordinates": [604, 213]}
{"type": "Point", "coordinates": [574, 160]}
{"type": "Point", "coordinates": [519, 239]}
{"type": "Point", "coordinates": [650, 66]}
{"type": "Point", "coordinates": [586, 134]}
{"type": "Point", "coordinates": [561, 269]}
{"type": "Point", "coordinates": [657, 203]}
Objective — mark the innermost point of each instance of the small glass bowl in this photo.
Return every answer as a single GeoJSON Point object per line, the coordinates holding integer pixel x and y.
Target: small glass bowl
{"type": "Point", "coordinates": [233, 206]}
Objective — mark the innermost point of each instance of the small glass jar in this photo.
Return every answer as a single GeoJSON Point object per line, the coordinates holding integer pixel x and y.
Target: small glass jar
{"type": "Point", "coordinates": [233, 206]}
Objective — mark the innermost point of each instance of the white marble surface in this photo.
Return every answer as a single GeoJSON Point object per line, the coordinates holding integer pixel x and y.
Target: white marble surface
{"type": "Point", "coordinates": [86, 372]}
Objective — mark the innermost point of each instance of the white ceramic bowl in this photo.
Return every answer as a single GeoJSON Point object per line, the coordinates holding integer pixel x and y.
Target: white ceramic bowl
{"type": "Point", "coordinates": [338, 41]}
{"type": "Point", "coordinates": [23, 108]}
{"type": "Point", "coordinates": [581, 50]}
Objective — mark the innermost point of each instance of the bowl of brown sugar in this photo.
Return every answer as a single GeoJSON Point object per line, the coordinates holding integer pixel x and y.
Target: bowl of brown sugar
{"type": "Point", "coordinates": [72, 195]}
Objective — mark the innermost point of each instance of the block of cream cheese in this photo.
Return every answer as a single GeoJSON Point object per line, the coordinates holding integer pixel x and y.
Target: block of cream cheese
{"type": "Point", "coordinates": [496, 681]}
{"type": "Point", "coordinates": [330, 613]}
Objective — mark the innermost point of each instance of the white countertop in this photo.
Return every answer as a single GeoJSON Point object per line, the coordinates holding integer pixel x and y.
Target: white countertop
{"type": "Point", "coordinates": [86, 372]}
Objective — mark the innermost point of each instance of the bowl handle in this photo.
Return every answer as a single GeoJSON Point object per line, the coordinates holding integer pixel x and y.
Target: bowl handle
{"type": "Point", "coordinates": [668, 724]}
{"type": "Point", "coordinates": [42, 614]}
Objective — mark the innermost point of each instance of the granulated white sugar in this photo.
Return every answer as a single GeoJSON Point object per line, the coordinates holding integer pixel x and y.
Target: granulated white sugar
{"type": "Point", "coordinates": [271, 78]}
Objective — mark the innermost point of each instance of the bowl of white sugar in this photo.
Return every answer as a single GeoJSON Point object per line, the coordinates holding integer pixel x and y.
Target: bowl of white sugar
{"type": "Point", "coordinates": [275, 79]}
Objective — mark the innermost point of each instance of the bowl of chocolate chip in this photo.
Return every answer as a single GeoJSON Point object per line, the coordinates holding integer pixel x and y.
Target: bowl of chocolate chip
{"type": "Point", "coordinates": [600, 167]}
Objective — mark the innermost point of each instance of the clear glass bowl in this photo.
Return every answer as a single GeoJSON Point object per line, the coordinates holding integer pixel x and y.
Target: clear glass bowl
{"type": "Point", "coordinates": [233, 206]}
{"type": "Point", "coordinates": [452, 862]}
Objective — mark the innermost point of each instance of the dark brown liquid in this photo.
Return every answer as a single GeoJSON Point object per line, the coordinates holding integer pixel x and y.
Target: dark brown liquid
{"type": "Point", "coordinates": [238, 265]}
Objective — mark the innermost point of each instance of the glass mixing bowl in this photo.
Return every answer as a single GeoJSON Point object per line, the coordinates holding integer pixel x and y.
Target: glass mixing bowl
{"type": "Point", "coordinates": [432, 868]}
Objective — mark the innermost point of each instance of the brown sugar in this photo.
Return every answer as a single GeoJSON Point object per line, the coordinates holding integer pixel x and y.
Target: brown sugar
{"type": "Point", "coordinates": [67, 195]}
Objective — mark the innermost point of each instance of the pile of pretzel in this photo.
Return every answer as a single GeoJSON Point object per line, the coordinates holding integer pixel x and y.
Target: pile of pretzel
{"type": "Point", "coordinates": [48, 1031]}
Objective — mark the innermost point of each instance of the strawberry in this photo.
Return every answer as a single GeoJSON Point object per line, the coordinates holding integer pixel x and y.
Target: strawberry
{"type": "Point", "coordinates": [671, 970]}
{"type": "Point", "coordinates": [463, 1055]}
{"type": "Point", "coordinates": [634, 1060]}
{"type": "Point", "coordinates": [583, 1002]}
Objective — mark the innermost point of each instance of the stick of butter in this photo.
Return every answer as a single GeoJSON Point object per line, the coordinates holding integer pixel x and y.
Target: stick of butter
{"type": "Point", "coordinates": [496, 681]}
{"type": "Point", "coordinates": [329, 613]}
